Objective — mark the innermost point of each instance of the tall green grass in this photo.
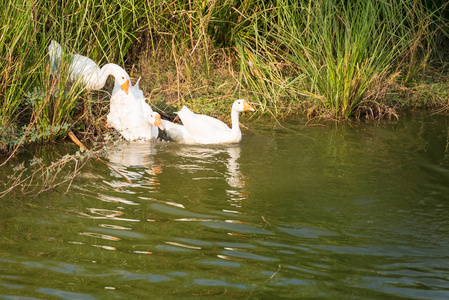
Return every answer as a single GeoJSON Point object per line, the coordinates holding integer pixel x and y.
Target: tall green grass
{"type": "Point", "coordinates": [335, 58]}
{"type": "Point", "coordinates": [15, 75]}
{"type": "Point", "coordinates": [329, 57]}
{"type": "Point", "coordinates": [34, 104]}
{"type": "Point", "coordinates": [341, 55]}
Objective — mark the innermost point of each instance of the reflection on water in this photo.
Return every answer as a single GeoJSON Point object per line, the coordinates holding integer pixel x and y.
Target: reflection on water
{"type": "Point", "coordinates": [137, 154]}
{"type": "Point", "coordinates": [323, 212]}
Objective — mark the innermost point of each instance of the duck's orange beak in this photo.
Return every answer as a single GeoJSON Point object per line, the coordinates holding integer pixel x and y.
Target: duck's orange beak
{"type": "Point", "coordinates": [158, 122]}
{"type": "Point", "coordinates": [247, 106]}
{"type": "Point", "coordinates": [125, 87]}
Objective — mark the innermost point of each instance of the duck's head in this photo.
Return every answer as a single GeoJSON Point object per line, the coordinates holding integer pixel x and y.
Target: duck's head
{"type": "Point", "coordinates": [122, 78]}
{"type": "Point", "coordinates": [242, 105]}
{"type": "Point", "coordinates": [154, 119]}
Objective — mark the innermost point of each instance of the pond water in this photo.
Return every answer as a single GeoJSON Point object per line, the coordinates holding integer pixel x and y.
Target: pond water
{"type": "Point", "coordinates": [338, 211]}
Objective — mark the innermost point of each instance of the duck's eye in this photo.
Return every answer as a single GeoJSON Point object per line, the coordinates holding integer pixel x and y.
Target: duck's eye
{"type": "Point", "coordinates": [123, 78]}
{"type": "Point", "coordinates": [239, 102]}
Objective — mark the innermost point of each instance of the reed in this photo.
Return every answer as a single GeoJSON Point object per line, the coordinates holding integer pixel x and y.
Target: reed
{"type": "Point", "coordinates": [15, 75]}
{"type": "Point", "coordinates": [342, 54]}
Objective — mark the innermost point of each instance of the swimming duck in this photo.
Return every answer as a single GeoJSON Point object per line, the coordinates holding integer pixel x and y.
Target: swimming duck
{"type": "Point", "coordinates": [202, 129]}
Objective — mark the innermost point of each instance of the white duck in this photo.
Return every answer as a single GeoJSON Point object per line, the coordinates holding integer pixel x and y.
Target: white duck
{"type": "Point", "coordinates": [175, 132]}
{"type": "Point", "coordinates": [84, 70]}
{"type": "Point", "coordinates": [204, 129]}
{"type": "Point", "coordinates": [130, 114]}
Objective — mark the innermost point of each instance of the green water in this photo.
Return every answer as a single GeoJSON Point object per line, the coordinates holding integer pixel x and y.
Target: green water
{"type": "Point", "coordinates": [355, 211]}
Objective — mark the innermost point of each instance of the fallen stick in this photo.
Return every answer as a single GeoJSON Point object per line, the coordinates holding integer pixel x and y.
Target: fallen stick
{"type": "Point", "coordinates": [77, 141]}
{"type": "Point", "coordinates": [81, 145]}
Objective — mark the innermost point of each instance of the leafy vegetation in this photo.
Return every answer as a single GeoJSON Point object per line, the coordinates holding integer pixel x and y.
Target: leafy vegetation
{"type": "Point", "coordinates": [326, 58]}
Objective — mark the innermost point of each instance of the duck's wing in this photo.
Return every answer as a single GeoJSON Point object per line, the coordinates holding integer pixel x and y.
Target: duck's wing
{"type": "Point", "coordinates": [203, 129]}
{"type": "Point", "coordinates": [213, 122]}
{"type": "Point", "coordinates": [186, 115]}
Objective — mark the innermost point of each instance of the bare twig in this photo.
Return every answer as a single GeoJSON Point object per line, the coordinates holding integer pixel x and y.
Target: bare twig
{"type": "Point", "coordinates": [274, 274]}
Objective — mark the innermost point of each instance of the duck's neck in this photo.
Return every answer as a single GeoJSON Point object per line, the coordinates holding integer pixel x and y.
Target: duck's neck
{"type": "Point", "coordinates": [235, 121]}
{"type": "Point", "coordinates": [105, 71]}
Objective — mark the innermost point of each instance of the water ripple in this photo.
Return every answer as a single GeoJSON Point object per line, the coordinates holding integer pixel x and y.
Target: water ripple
{"type": "Point", "coordinates": [235, 226]}
{"type": "Point", "coordinates": [355, 212]}
{"type": "Point", "coordinates": [64, 294]}
{"type": "Point", "coordinates": [247, 255]}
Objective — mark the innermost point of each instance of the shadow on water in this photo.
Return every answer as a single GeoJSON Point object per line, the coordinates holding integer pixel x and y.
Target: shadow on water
{"type": "Point", "coordinates": [354, 211]}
